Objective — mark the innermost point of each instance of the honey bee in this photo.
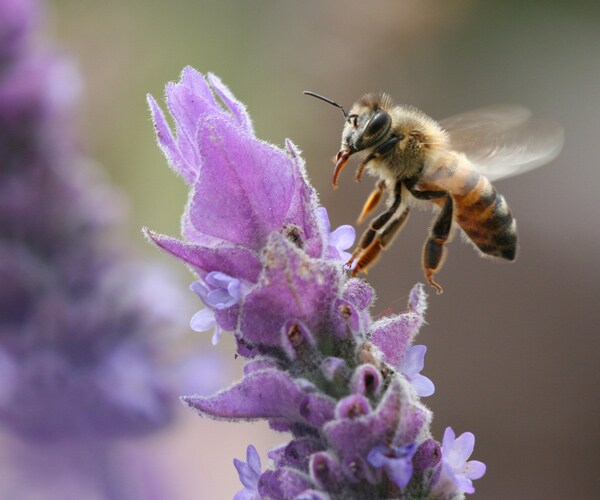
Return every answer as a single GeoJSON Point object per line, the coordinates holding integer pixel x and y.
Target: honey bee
{"type": "Point", "coordinates": [448, 165]}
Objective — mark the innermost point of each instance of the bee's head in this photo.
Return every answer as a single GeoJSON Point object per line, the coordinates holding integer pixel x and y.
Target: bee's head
{"type": "Point", "coordinates": [367, 125]}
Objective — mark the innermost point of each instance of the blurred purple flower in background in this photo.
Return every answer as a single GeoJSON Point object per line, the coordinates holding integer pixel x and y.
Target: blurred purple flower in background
{"type": "Point", "coordinates": [79, 322]}
{"type": "Point", "coordinates": [318, 366]}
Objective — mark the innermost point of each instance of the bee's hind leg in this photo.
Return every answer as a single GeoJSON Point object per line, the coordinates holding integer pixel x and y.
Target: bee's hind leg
{"type": "Point", "coordinates": [433, 250]}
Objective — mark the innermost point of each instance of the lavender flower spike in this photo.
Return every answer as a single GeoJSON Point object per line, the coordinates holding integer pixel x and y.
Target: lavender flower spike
{"type": "Point", "coordinates": [319, 367]}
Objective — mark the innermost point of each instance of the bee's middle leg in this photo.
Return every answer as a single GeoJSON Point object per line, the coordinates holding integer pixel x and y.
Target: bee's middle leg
{"type": "Point", "coordinates": [379, 234]}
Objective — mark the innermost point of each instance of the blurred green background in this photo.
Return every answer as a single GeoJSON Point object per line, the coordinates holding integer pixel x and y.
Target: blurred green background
{"type": "Point", "coordinates": [513, 349]}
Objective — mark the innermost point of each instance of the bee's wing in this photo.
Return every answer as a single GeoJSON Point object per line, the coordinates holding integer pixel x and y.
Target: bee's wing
{"type": "Point", "coordinates": [502, 141]}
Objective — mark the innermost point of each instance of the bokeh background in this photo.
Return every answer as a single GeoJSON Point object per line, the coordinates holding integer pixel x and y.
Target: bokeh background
{"type": "Point", "coordinates": [513, 349]}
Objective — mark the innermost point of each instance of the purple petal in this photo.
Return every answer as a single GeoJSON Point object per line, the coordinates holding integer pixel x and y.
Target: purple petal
{"type": "Point", "coordinates": [199, 289]}
{"type": "Point", "coordinates": [463, 483]}
{"type": "Point", "coordinates": [376, 456]}
{"type": "Point", "coordinates": [359, 435]}
{"type": "Point", "coordinates": [413, 361]}
{"type": "Point", "coordinates": [296, 453]}
{"type": "Point", "coordinates": [393, 336]}
{"type": "Point", "coordinates": [261, 394]}
{"type": "Point", "coordinates": [475, 469]}
{"type": "Point", "coordinates": [203, 320]}
{"type": "Point", "coordinates": [326, 472]}
{"type": "Point", "coordinates": [347, 315]}
{"type": "Point", "coordinates": [253, 459]}
{"type": "Point", "coordinates": [353, 406]}
{"type": "Point", "coordinates": [463, 447]}
{"type": "Point", "coordinates": [216, 338]}
{"type": "Point", "coordinates": [317, 409]}
{"type": "Point", "coordinates": [448, 440]}
{"type": "Point", "coordinates": [303, 206]}
{"type": "Point", "coordinates": [400, 471]}
{"type": "Point", "coordinates": [233, 261]}
{"type": "Point", "coordinates": [359, 293]}
{"type": "Point", "coordinates": [220, 299]}
{"type": "Point", "coordinates": [366, 380]}
{"type": "Point", "coordinates": [283, 483]}
{"type": "Point", "coordinates": [343, 237]}
{"type": "Point", "coordinates": [168, 145]}
{"type": "Point", "coordinates": [296, 339]}
{"type": "Point", "coordinates": [427, 456]}
{"type": "Point", "coordinates": [285, 292]}
{"type": "Point", "coordinates": [245, 187]}
{"type": "Point", "coordinates": [417, 300]}
{"type": "Point", "coordinates": [247, 476]}
{"type": "Point", "coordinates": [331, 367]}
{"type": "Point", "coordinates": [323, 219]}
{"type": "Point", "coordinates": [423, 386]}
{"type": "Point", "coordinates": [236, 107]}
{"type": "Point", "coordinates": [195, 82]}
{"type": "Point", "coordinates": [246, 494]}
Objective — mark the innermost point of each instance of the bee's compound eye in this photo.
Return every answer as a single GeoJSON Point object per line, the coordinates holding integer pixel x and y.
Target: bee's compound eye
{"type": "Point", "coordinates": [377, 126]}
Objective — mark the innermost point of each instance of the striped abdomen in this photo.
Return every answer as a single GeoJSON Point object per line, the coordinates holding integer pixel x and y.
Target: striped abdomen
{"type": "Point", "coordinates": [479, 209]}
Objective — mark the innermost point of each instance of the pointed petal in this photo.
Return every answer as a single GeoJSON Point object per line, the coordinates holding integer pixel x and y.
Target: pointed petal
{"type": "Point", "coordinates": [394, 334]}
{"type": "Point", "coordinates": [253, 459]}
{"type": "Point", "coordinates": [268, 393]}
{"type": "Point", "coordinates": [235, 106]}
{"type": "Point", "coordinates": [448, 440]}
{"type": "Point", "coordinates": [167, 143]}
{"type": "Point", "coordinates": [234, 261]}
{"type": "Point", "coordinates": [417, 301]}
{"type": "Point", "coordinates": [245, 188]}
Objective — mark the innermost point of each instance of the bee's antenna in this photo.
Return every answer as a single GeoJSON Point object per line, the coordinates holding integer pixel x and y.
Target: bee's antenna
{"type": "Point", "coordinates": [307, 92]}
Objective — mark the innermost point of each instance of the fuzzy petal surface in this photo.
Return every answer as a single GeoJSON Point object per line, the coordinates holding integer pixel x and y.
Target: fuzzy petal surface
{"type": "Point", "coordinates": [292, 287]}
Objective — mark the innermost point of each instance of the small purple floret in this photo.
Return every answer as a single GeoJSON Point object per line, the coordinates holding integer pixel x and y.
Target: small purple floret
{"type": "Point", "coordinates": [455, 453]}
{"type": "Point", "coordinates": [411, 365]}
{"type": "Point", "coordinates": [396, 461]}
{"type": "Point", "coordinates": [249, 472]}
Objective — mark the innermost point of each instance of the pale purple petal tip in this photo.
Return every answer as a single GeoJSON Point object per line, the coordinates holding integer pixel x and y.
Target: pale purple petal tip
{"type": "Point", "coordinates": [203, 320]}
{"type": "Point", "coordinates": [343, 237]}
{"type": "Point", "coordinates": [464, 445]}
{"type": "Point", "coordinates": [475, 469]}
{"type": "Point", "coordinates": [423, 386]}
{"type": "Point", "coordinates": [235, 106]}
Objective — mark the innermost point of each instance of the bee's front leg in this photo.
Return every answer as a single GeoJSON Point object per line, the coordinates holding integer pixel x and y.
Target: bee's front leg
{"type": "Point", "coordinates": [372, 201]}
{"type": "Point", "coordinates": [380, 233]}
